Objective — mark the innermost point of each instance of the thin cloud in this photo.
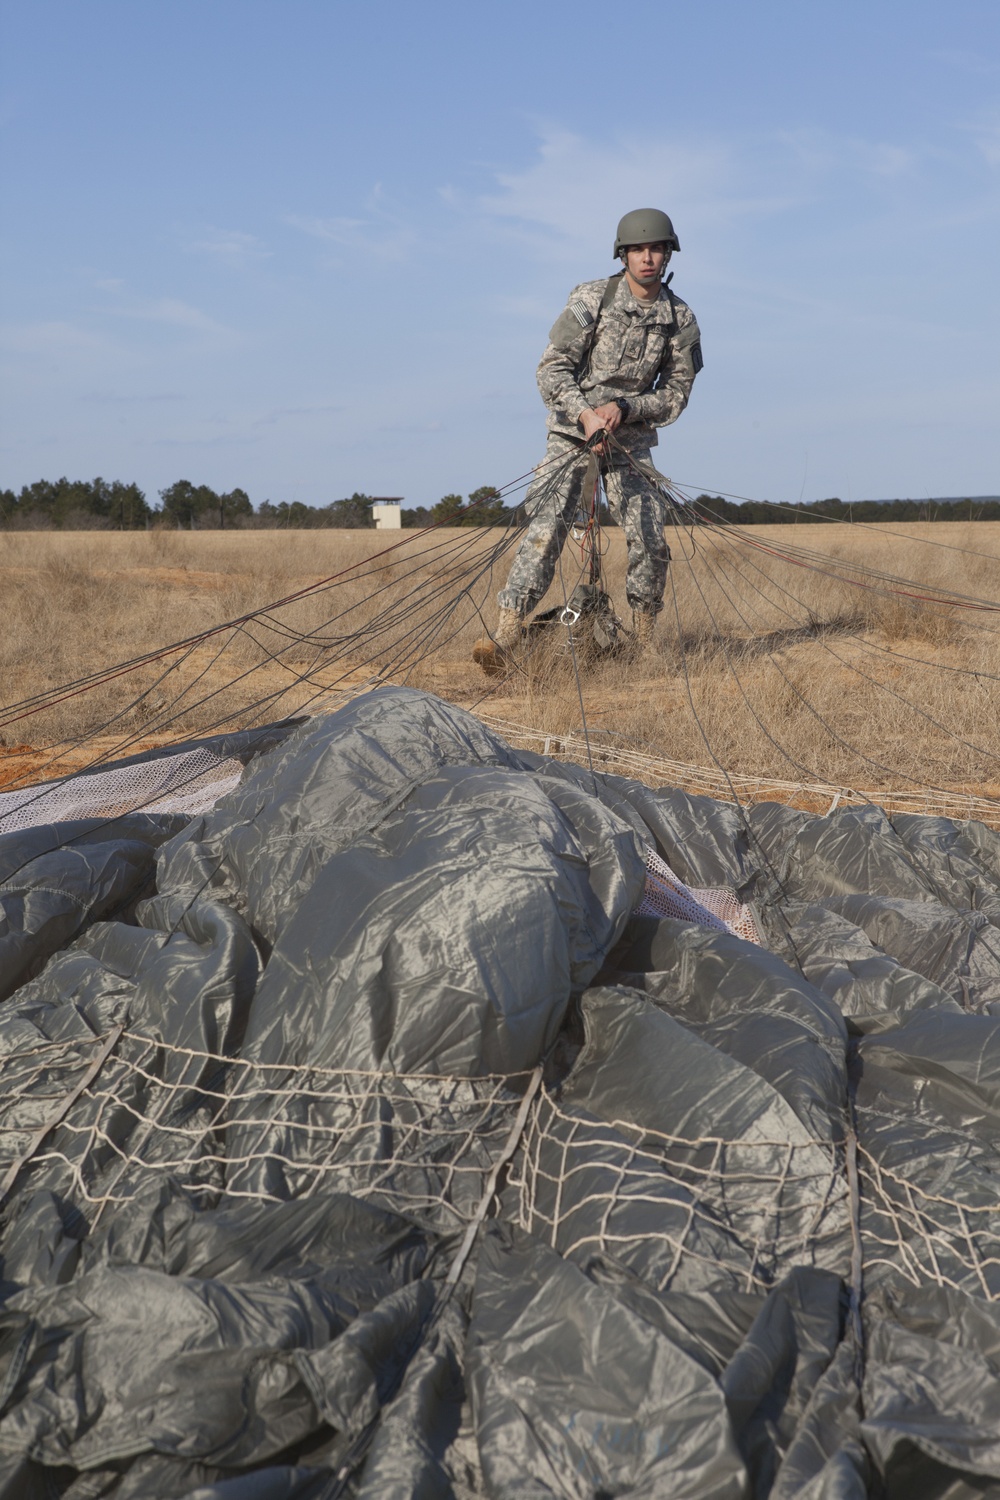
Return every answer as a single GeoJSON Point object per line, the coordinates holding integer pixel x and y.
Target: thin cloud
{"type": "Point", "coordinates": [232, 246]}
{"type": "Point", "coordinates": [339, 231]}
{"type": "Point", "coordinates": [986, 134]}
{"type": "Point", "coordinates": [382, 233]}
{"type": "Point", "coordinates": [169, 310]}
{"type": "Point", "coordinates": [113, 398]}
{"type": "Point", "coordinates": [821, 152]}
{"type": "Point", "coordinates": [52, 338]}
{"type": "Point", "coordinates": [577, 187]}
{"type": "Point", "coordinates": [284, 413]}
{"type": "Point", "coordinates": [223, 440]}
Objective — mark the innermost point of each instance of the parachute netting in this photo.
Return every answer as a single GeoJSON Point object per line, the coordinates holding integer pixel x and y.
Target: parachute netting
{"type": "Point", "coordinates": [125, 1110]}
{"type": "Point", "coordinates": [666, 895]}
{"type": "Point", "coordinates": [191, 782]}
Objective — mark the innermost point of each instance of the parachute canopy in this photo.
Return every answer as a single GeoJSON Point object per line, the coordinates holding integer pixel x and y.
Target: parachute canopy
{"type": "Point", "coordinates": [370, 1126]}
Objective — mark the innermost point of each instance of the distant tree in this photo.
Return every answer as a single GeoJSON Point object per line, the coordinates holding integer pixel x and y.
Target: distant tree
{"type": "Point", "coordinates": [448, 511]}
{"type": "Point", "coordinates": [484, 507]}
{"type": "Point", "coordinates": [234, 507]}
{"type": "Point", "coordinates": [354, 513]}
{"type": "Point", "coordinates": [127, 506]}
{"type": "Point", "coordinates": [199, 506]}
{"type": "Point", "coordinates": [76, 503]}
{"type": "Point", "coordinates": [185, 503]}
{"type": "Point", "coordinates": [285, 513]}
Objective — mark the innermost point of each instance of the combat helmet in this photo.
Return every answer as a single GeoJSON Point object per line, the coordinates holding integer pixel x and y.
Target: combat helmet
{"type": "Point", "coordinates": [645, 226]}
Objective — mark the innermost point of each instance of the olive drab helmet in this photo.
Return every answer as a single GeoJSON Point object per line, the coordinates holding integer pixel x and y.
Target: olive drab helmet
{"type": "Point", "coordinates": [645, 226]}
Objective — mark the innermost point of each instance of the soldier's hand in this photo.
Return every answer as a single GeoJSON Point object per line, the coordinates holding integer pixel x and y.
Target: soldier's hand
{"type": "Point", "coordinates": [600, 419]}
{"type": "Point", "coordinates": [610, 415]}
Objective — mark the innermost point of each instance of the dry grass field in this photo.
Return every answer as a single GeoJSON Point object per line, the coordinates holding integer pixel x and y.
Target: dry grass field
{"type": "Point", "coordinates": [768, 663]}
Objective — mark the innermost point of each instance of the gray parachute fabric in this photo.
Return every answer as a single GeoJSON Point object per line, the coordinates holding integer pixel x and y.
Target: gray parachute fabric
{"type": "Point", "coordinates": [363, 1132]}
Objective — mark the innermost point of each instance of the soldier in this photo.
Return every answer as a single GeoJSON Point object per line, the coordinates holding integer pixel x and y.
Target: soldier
{"type": "Point", "coordinates": [621, 358]}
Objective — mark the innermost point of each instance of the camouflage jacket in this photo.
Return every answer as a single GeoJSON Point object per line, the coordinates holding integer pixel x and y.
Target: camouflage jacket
{"type": "Point", "coordinates": [648, 352]}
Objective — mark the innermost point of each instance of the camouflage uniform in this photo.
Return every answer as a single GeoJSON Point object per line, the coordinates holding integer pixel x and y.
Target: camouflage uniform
{"type": "Point", "coordinates": [648, 352]}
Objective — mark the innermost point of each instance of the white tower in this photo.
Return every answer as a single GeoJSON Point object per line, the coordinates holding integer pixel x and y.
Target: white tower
{"type": "Point", "coordinates": [388, 514]}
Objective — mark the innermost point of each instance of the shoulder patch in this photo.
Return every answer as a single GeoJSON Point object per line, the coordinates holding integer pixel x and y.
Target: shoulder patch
{"type": "Point", "coordinates": [566, 333]}
{"type": "Point", "coordinates": [697, 360]}
{"type": "Point", "coordinates": [581, 313]}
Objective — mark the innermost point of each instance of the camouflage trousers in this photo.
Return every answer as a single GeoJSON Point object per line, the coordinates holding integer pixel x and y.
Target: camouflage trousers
{"type": "Point", "coordinates": [554, 497]}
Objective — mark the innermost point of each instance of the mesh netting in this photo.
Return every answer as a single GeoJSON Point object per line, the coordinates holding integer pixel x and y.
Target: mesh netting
{"type": "Point", "coordinates": [927, 1236]}
{"type": "Point", "coordinates": [667, 896]}
{"type": "Point", "coordinates": [191, 781]}
{"type": "Point", "coordinates": [225, 1128]}
{"type": "Point", "coordinates": [104, 1121]}
{"type": "Point", "coordinates": [677, 1210]}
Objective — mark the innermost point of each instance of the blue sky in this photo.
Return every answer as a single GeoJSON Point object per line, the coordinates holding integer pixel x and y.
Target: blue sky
{"type": "Point", "coordinates": [309, 248]}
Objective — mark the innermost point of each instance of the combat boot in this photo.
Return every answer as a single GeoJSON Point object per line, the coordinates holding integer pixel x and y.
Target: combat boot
{"type": "Point", "coordinates": [643, 625]}
{"type": "Point", "coordinates": [497, 652]}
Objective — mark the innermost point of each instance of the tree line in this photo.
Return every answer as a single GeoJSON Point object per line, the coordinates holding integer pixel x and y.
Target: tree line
{"type": "Point", "coordinates": [764, 513]}
{"type": "Point", "coordinates": [99, 504]}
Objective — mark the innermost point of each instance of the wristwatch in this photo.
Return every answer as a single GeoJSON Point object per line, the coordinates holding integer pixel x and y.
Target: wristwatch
{"type": "Point", "coordinates": [623, 407]}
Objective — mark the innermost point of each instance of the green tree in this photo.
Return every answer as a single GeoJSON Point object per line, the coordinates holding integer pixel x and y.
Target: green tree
{"type": "Point", "coordinates": [235, 506]}
{"type": "Point", "coordinates": [355, 513]}
{"type": "Point", "coordinates": [484, 507]}
{"type": "Point", "coordinates": [448, 511]}
{"type": "Point", "coordinates": [185, 503]}
{"type": "Point", "coordinates": [285, 514]}
{"type": "Point", "coordinates": [76, 503]}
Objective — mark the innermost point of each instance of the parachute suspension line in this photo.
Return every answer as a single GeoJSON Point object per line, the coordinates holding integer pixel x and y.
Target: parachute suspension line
{"type": "Point", "coordinates": [241, 625]}
{"type": "Point", "coordinates": [411, 647]}
{"type": "Point", "coordinates": [576, 674]}
{"type": "Point", "coordinates": [856, 1285]}
{"type": "Point", "coordinates": [47, 699]}
{"type": "Point", "coordinates": [872, 580]}
{"type": "Point", "coordinates": [60, 1112]}
{"type": "Point", "coordinates": [683, 487]}
{"type": "Point", "coordinates": [920, 871]}
{"type": "Point", "coordinates": [684, 544]}
{"type": "Point", "coordinates": [440, 603]}
{"type": "Point", "coordinates": [424, 593]}
{"type": "Point", "coordinates": [730, 535]}
{"type": "Point", "coordinates": [590, 537]}
{"type": "Point", "coordinates": [817, 637]}
{"type": "Point", "coordinates": [504, 1156]}
{"type": "Point", "coordinates": [234, 629]}
{"type": "Point", "coordinates": [825, 724]}
{"type": "Point", "coordinates": [853, 750]}
{"type": "Point", "coordinates": [441, 589]}
{"type": "Point", "coordinates": [917, 867]}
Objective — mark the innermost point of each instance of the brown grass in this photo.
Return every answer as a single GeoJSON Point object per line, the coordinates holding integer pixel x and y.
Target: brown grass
{"type": "Point", "coordinates": [770, 668]}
